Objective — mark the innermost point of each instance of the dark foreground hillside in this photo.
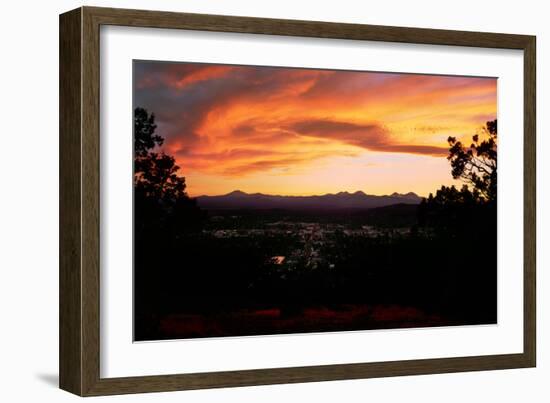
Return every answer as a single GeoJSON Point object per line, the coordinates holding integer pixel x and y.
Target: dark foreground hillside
{"type": "Point", "coordinates": [278, 271]}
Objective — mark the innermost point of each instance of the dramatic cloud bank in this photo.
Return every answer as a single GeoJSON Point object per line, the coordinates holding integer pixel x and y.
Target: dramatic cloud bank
{"type": "Point", "coordinates": [256, 127]}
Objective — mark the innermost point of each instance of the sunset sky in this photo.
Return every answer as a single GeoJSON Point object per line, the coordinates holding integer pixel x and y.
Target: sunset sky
{"type": "Point", "coordinates": [302, 132]}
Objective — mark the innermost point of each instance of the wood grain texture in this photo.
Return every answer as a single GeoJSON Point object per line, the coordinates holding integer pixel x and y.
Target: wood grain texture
{"type": "Point", "coordinates": [316, 29]}
{"type": "Point", "coordinates": [530, 201]}
{"type": "Point", "coordinates": [108, 386]}
{"type": "Point", "coordinates": [70, 106]}
{"type": "Point", "coordinates": [90, 202]}
{"type": "Point", "coordinates": [80, 196]}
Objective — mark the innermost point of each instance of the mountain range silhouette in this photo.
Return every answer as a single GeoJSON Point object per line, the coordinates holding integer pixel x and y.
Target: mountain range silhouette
{"type": "Point", "coordinates": [342, 200]}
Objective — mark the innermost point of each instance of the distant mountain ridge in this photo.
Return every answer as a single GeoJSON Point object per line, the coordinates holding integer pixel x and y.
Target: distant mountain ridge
{"type": "Point", "coordinates": [342, 200]}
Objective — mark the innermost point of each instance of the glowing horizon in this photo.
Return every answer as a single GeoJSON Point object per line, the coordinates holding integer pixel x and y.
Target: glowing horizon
{"type": "Point", "coordinates": [293, 131]}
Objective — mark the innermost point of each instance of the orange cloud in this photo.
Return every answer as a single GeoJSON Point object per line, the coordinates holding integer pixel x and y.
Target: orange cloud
{"type": "Point", "coordinates": [203, 74]}
{"type": "Point", "coordinates": [368, 136]}
{"type": "Point", "coordinates": [251, 126]}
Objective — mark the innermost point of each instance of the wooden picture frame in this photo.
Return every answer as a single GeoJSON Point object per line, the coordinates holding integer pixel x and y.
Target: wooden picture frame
{"type": "Point", "coordinates": [79, 201]}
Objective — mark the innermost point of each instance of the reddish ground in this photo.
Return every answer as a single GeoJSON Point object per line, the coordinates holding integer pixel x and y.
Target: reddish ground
{"type": "Point", "coordinates": [273, 321]}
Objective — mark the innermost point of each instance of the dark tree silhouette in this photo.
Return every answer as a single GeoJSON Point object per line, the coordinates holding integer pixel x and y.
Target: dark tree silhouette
{"type": "Point", "coordinates": [155, 174]}
{"type": "Point", "coordinates": [164, 215]}
{"type": "Point", "coordinates": [145, 138]}
{"type": "Point", "coordinates": [453, 212]}
{"type": "Point", "coordinates": [477, 164]}
{"type": "Point", "coordinates": [462, 225]}
{"type": "Point", "coordinates": [163, 210]}
{"type": "Point", "coordinates": [469, 212]}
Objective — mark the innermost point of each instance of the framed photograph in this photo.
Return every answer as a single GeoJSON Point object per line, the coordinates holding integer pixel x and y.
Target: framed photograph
{"type": "Point", "coordinates": [249, 201]}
